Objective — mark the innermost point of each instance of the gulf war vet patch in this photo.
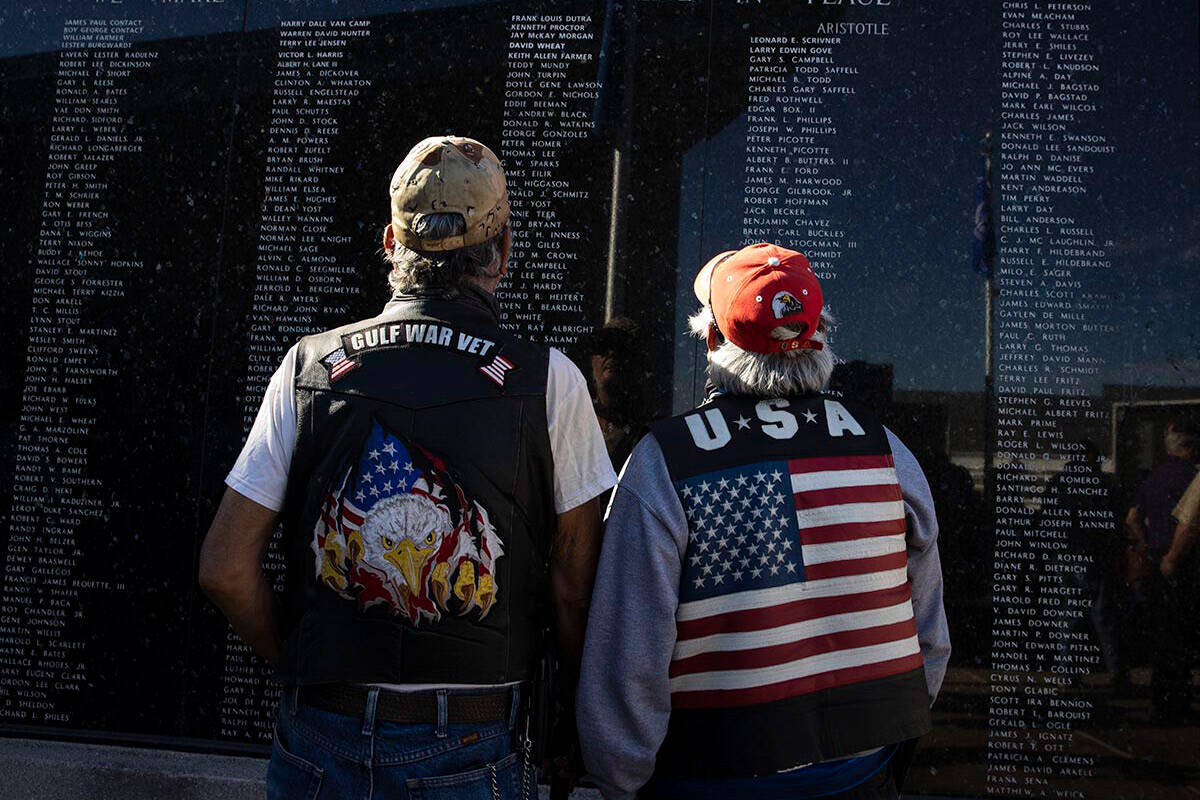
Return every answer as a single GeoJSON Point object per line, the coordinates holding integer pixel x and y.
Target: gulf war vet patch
{"type": "Point", "coordinates": [389, 335]}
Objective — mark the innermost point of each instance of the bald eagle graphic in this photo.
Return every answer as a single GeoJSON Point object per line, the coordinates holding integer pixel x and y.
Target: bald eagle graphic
{"type": "Point", "coordinates": [398, 532]}
{"type": "Point", "coordinates": [785, 304]}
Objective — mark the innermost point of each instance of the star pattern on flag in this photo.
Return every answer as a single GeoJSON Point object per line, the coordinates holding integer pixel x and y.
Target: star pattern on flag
{"type": "Point", "coordinates": [386, 470]}
{"type": "Point", "coordinates": [802, 588]}
{"type": "Point", "coordinates": [742, 530]}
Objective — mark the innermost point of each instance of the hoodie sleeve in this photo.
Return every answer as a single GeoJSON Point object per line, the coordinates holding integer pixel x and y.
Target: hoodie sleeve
{"type": "Point", "coordinates": [924, 565]}
{"type": "Point", "coordinates": [624, 700]}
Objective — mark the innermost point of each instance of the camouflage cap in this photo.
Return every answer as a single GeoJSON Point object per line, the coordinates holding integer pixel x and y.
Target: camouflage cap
{"type": "Point", "coordinates": [449, 174]}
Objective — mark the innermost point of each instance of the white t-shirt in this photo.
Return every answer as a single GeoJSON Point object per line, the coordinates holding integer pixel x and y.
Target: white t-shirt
{"type": "Point", "coordinates": [582, 469]}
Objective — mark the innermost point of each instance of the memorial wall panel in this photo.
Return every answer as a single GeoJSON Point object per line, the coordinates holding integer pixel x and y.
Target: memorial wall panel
{"type": "Point", "coordinates": [191, 188]}
{"type": "Point", "coordinates": [212, 185]}
{"type": "Point", "coordinates": [111, 339]}
{"type": "Point", "coordinates": [852, 132]}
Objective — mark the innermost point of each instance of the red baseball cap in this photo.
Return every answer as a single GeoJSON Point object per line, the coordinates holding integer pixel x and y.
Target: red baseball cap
{"type": "Point", "coordinates": [757, 289]}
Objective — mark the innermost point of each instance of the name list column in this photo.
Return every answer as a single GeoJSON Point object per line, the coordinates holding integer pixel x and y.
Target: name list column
{"type": "Point", "coordinates": [549, 95]}
{"type": "Point", "coordinates": [303, 280]}
{"type": "Point", "coordinates": [797, 178]}
{"type": "Point", "coordinates": [77, 269]}
{"type": "Point", "coordinates": [1051, 498]}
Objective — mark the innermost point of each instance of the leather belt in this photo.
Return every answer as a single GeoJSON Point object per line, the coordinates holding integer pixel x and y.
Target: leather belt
{"type": "Point", "coordinates": [411, 708]}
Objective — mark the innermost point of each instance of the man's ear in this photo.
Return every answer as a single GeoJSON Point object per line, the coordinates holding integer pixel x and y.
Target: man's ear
{"type": "Point", "coordinates": [389, 238]}
{"type": "Point", "coordinates": [713, 340]}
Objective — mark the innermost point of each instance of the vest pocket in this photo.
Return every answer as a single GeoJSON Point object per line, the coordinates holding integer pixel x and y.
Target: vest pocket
{"type": "Point", "coordinates": [290, 777]}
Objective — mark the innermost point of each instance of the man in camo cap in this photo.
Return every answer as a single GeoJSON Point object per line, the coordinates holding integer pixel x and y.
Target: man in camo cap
{"type": "Point", "coordinates": [436, 477]}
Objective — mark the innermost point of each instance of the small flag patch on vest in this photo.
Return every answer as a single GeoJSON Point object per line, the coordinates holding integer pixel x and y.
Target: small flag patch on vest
{"type": "Point", "coordinates": [338, 364]}
{"type": "Point", "coordinates": [497, 370]}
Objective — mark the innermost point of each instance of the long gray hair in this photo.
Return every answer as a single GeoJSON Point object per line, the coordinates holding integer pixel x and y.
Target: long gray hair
{"type": "Point", "coordinates": [800, 371]}
{"type": "Point", "coordinates": [429, 269]}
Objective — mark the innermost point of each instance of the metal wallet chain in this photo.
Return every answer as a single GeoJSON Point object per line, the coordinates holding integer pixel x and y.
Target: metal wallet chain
{"type": "Point", "coordinates": [526, 768]}
{"type": "Point", "coordinates": [526, 762]}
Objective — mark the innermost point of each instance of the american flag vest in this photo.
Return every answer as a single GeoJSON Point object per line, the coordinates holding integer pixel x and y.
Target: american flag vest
{"type": "Point", "coordinates": [796, 641]}
{"type": "Point", "coordinates": [420, 504]}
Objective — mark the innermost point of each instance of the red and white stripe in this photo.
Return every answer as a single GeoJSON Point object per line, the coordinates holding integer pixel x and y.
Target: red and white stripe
{"type": "Point", "coordinates": [350, 517]}
{"type": "Point", "coordinates": [849, 620]}
{"type": "Point", "coordinates": [341, 368]}
{"type": "Point", "coordinates": [496, 370]}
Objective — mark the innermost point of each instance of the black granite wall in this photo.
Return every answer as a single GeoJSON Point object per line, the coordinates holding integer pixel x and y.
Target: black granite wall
{"type": "Point", "coordinates": [189, 188]}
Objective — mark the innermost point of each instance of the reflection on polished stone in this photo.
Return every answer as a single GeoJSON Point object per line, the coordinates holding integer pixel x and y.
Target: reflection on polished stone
{"type": "Point", "coordinates": [1125, 750]}
{"type": "Point", "coordinates": [191, 189]}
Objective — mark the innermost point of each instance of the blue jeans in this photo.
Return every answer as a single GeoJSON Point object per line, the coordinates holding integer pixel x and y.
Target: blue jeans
{"type": "Point", "coordinates": [319, 755]}
{"type": "Point", "coordinates": [862, 778]}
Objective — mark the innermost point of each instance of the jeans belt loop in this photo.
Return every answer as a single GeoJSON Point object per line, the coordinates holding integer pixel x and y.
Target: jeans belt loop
{"type": "Point", "coordinates": [516, 706]}
{"type": "Point", "coordinates": [291, 697]}
{"type": "Point", "coordinates": [443, 713]}
{"type": "Point", "coordinates": [369, 714]}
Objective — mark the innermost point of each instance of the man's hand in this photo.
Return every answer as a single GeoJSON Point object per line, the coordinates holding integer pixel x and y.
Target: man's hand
{"type": "Point", "coordinates": [231, 571]}
{"type": "Point", "coordinates": [573, 557]}
{"type": "Point", "coordinates": [1167, 566]}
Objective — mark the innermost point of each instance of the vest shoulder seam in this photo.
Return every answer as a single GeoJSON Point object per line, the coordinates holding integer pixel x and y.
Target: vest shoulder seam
{"type": "Point", "coordinates": [652, 511]}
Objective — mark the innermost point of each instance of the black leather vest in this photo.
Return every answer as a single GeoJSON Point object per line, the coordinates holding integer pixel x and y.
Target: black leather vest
{"type": "Point", "coordinates": [419, 508]}
{"type": "Point", "coordinates": [796, 641]}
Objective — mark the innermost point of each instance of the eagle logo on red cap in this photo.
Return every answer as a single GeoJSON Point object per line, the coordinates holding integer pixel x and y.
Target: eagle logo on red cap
{"type": "Point", "coordinates": [785, 304]}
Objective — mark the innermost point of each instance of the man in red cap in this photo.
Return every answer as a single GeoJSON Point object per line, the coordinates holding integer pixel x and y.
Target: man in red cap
{"type": "Point", "coordinates": [767, 619]}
